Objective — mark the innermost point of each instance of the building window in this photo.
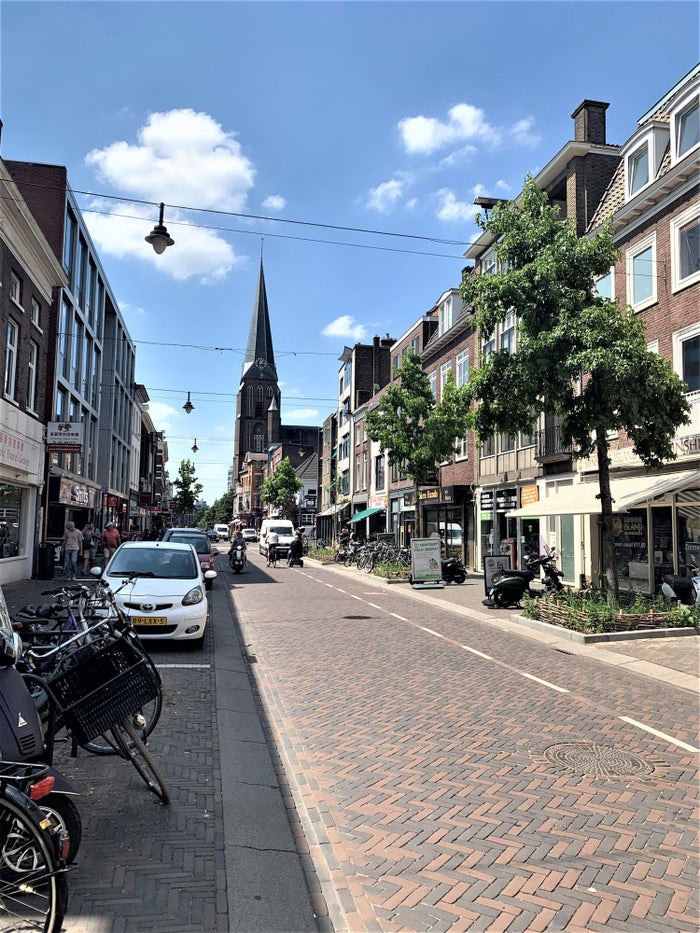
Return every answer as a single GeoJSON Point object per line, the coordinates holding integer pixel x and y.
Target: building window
{"type": "Point", "coordinates": [507, 443]}
{"type": "Point", "coordinates": [345, 482]}
{"type": "Point", "coordinates": [462, 448]}
{"type": "Point", "coordinates": [36, 313]}
{"type": "Point", "coordinates": [31, 375]}
{"type": "Point", "coordinates": [686, 128]}
{"type": "Point", "coordinates": [488, 349]}
{"type": "Point", "coordinates": [445, 315]}
{"type": "Point", "coordinates": [16, 289]}
{"type": "Point", "coordinates": [445, 371]}
{"type": "Point", "coordinates": [638, 169]}
{"type": "Point", "coordinates": [432, 380]}
{"type": "Point", "coordinates": [488, 263]}
{"type": "Point", "coordinates": [604, 286]}
{"type": "Point", "coordinates": [397, 362]}
{"type": "Point", "coordinates": [415, 343]}
{"type": "Point", "coordinates": [462, 368]}
{"type": "Point", "coordinates": [686, 356]}
{"type": "Point", "coordinates": [258, 440]}
{"type": "Point", "coordinates": [488, 446]}
{"type": "Point", "coordinates": [508, 333]}
{"type": "Point", "coordinates": [685, 248]}
{"type": "Point", "coordinates": [11, 520]}
{"type": "Point", "coordinates": [11, 359]}
{"type": "Point", "coordinates": [641, 274]}
{"type": "Point", "coordinates": [69, 236]}
{"type": "Point", "coordinates": [379, 472]}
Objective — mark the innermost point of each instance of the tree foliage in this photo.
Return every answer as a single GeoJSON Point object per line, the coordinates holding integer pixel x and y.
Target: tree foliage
{"type": "Point", "coordinates": [416, 431]}
{"type": "Point", "coordinates": [220, 512]}
{"type": "Point", "coordinates": [280, 489]}
{"type": "Point", "coordinates": [579, 357]}
{"type": "Point", "coordinates": [187, 487]}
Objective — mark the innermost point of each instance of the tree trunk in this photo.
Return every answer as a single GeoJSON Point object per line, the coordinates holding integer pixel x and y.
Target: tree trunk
{"type": "Point", "coordinates": [612, 583]}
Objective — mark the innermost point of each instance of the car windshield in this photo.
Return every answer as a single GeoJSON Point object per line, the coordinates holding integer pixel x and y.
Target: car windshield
{"type": "Point", "coordinates": [280, 530]}
{"type": "Point", "coordinates": [200, 542]}
{"type": "Point", "coordinates": [164, 563]}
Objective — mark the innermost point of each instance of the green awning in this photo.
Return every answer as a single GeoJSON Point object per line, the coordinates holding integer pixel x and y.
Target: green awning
{"type": "Point", "coordinates": [367, 512]}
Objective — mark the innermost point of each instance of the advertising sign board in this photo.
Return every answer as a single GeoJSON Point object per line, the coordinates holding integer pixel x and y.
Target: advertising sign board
{"type": "Point", "coordinates": [426, 568]}
{"type": "Point", "coordinates": [493, 564]}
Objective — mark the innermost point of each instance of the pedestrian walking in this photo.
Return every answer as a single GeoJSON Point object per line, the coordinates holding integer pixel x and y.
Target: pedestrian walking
{"type": "Point", "coordinates": [111, 539]}
{"type": "Point", "coordinates": [91, 538]}
{"type": "Point", "coordinates": [72, 544]}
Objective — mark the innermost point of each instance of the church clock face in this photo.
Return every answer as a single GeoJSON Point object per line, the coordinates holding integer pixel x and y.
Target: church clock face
{"type": "Point", "coordinates": [261, 362]}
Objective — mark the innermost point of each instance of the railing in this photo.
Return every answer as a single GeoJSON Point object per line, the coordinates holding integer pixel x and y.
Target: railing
{"type": "Point", "coordinates": [550, 447]}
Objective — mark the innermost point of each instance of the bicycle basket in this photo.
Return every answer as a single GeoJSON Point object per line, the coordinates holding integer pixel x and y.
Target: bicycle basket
{"type": "Point", "coordinates": [105, 685]}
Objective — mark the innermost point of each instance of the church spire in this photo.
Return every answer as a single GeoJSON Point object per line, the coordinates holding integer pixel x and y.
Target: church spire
{"type": "Point", "coordinates": [259, 360]}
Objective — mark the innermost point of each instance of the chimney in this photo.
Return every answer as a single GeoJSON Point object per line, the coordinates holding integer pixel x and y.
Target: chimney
{"type": "Point", "coordinates": [589, 121]}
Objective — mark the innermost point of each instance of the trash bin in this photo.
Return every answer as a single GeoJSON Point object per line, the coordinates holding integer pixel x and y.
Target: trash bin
{"type": "Point", "coordinates": [44, 561]}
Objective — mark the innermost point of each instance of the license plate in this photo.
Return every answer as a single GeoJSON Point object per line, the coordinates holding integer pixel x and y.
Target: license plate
{"type": "Point", "coordinates": [149, 620]}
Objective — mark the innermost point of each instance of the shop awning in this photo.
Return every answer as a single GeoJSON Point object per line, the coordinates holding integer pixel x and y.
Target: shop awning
{"type": "Point", "coordinates": [334, 509]}
{"type": "Point", "coordinates": [366, 513]}
{"type": "Point", "coordinates": [627, 493]}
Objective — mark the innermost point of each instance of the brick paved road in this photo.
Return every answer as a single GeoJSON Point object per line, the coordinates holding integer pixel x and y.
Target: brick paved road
{"type": "Point", "coordinates": [451, 776]}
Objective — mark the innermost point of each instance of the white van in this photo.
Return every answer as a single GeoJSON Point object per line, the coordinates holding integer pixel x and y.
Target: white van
{"type": "Point", "coordinates": [285, 533]}
{"type": "Point", "coordinates": [222, 531]}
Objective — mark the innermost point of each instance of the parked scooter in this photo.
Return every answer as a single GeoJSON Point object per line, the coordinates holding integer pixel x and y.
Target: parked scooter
{"type": "Point", "coordinates": [21, 737]}
{"type": "Point", "coordinates": [509, 587]}
{"type": "Point", "coordinates": [295, 552]}
{"type": "Point", "coordinates": [237, 558]}
{"type": "Point", "coordinates": [453, 570]}
{"type": "Point", "coordinates": [684, 590]}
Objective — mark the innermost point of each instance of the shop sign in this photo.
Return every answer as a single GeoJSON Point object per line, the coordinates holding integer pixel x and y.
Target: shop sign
{"type": "Point", "coordinates": [144, 498]}
{"type": "Point", "coordinates": [79, 495]}
{"type": "Point", "coordinates": [437, 495]}
{"type": "Point", "coordinates": [376, 502]}
{"type": "Point", "coordinates": [17, 453]}
{"type": "Point", "coordinates": [487, 501]}
{"type": "Point", "coordinates": [64, 437]}
{"type": "Point", "coordinates": [528, 495]}
{"type": "Point", "coordinates": [112, 502]}
{"type": "Point", "coordinates": [506, 500]}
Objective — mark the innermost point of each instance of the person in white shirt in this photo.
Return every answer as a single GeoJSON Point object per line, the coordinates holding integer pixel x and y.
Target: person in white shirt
{"type": "Point", "coordinates": [272, 541]}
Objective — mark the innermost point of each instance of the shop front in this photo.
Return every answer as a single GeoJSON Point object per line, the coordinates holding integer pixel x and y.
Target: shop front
{"type": "Point", "coordinates": [70, 499]}
{"type": "Point", "coordinates": [21, 467]}
{"type": "Point", "coordinates": [498, 534]}
{"type": "Point", "coordinates": [445, 514]}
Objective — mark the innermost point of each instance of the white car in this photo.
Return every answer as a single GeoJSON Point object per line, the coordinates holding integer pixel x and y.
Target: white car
{"type": "Point", "coordinates": [166, 596]}
{"type": "Point", "coordinates": [249, 534]}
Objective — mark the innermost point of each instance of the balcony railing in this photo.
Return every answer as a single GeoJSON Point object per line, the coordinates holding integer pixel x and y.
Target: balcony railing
{"type": "Point", "coordinates": [550, 447]}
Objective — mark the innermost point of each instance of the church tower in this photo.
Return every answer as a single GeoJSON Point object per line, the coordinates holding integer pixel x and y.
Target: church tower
{"type": "Point", "coordinates": [258, 399]}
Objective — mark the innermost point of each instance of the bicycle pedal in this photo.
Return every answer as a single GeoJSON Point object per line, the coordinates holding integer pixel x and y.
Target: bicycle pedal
{"type": "Point", "coordinates": [139, 721]}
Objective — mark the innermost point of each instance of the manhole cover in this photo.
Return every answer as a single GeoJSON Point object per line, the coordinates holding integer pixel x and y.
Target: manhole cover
{"type": "Point", "coordinates": [599, 760]}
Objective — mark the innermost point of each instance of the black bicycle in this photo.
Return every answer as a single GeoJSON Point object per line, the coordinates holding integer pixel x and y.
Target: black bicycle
{"type": "Point", "coordinates": [272, 555]}
{"type": "Point", "coordinates": [33, 885]}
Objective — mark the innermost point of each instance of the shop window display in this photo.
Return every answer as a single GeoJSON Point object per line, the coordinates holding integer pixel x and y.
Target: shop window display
{"type": "Point", "coordinates": [10, 518]}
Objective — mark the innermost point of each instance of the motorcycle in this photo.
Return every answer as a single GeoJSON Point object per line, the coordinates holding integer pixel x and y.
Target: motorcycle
{"type": "Point", "coordinates": [509, 587]}
{"type": "Point", "coordinates": [453, 570]}
{"type": "Point", "coordinates": [237, 558]}
{"type": "Point", "coordinates": [21, 738]}
{"type": "Point", "coordinates": [685, 590]}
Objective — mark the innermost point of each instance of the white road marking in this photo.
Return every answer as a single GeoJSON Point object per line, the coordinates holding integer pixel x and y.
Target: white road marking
{"type": "Point", "coordinates": [545, 683]}
{"type": "Point", "coordinates": [374, 605]}
{"type": "Point", "coordinates": [397, 616]}
{"type": "Point", "coordinates": [430, 631]}
{"type": "Point", "coordinates": [474, 651]}
{"type": "Point", "coordinates": [660, 735]}
{"type": "Point", "coordinates": [194, 667]}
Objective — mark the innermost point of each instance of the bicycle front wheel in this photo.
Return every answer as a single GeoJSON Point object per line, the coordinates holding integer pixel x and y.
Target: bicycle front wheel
{"type": "Point", "coordinates": [130, 746]}
{"type": "Point", "coordinates": [144, 722]}
{"type": "Point", "coordinates": [33, 885]}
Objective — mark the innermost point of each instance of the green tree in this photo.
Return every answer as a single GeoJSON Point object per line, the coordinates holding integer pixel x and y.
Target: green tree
{"type": "Point", "coordinates": [187, 487]}
{"type": "Point", "coordinates": [578, 357]}
{"type": "Point", "coordinates": [416, 431]}
{"type": "Point", "coordinates": [280, 489]}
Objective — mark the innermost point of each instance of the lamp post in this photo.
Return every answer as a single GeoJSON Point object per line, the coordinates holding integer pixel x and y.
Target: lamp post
{"type": "Point", "coordinates": [188, 406]}
{"type": "Point", "coordinates": [159, 238]}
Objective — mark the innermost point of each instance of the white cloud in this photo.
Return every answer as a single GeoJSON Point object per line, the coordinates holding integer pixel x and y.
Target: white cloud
{"type": "Point", "coordinates": [275, 202]}
{"type": "Point", "coordinates": [181, 157]}
{"type": "Point", "coordinates": [521, 133]}
{"type": "Point", "coordinates": [450, 209]}
{"type": "Point", "coordinates": [345, 326]}
{"type": "Point", "coordinates": [162, 415]}
{"type": "Point", "coordinates": [502, 185]}
{"type": "Point", "coordinates": [424, 135]}
{"type": "Point", "coordinates": [385, 196]}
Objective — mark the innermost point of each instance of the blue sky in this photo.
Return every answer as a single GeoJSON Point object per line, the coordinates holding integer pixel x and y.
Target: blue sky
{"type": "Point", "coordinates": [387, 117]}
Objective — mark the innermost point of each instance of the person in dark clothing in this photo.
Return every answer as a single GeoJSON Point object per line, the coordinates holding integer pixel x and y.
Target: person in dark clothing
{"type": "Point", "coordinates": [296, 549]}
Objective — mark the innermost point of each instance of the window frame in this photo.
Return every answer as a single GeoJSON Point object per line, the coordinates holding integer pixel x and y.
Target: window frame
{"type": "Point", "coordinates": [11, 353]}
{"type": "Point", "coordinates": [633, 253]}
{"type": "Point", "coordinates": [462, 367]}
{"type": "Point", "coordinates": [36, 313]}
{"type": "Point", "coordinates": [15, 289]}
{"type": "Point", "coordinates": [679, 339]}
{"type": "Point", "coordinates": [608, 275]}
{"type": "Point", "coordinates": [690, 101]}
{"type": "Point", "coordinates": [32, 374]}
{"type": "Point", "coordinates": [677, 225]}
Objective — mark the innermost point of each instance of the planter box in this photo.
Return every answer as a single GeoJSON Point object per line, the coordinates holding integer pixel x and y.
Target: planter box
{"type": "Point", "coordinates": [578, 620]}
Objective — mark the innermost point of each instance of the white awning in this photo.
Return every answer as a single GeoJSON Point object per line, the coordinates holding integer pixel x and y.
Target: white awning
{"type": "Point", "coordinates": [333, 510]}
{"type": "Point", "coordinates": [583, 498]}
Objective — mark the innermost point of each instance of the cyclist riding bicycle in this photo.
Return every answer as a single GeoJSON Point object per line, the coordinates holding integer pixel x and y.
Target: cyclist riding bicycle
{"type": "Point", "coordinates": [272, 542]}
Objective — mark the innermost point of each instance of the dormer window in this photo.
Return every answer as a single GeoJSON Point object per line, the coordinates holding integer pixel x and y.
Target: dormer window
{"type": "Point", "coordinates": [643, 155]}
{"type": "Point", "coordinates": [445, 313]}
{"type": "Point", "coordinates": [685, 126]}
{"type": "Point", "coordinates": [638, 169]}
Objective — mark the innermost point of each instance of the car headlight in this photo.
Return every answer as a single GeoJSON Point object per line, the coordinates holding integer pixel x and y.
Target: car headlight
{"type": "Point", "coordinates": [194, 596]}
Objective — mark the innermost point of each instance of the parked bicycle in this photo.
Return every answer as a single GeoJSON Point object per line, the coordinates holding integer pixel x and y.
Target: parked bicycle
{"type": "Point", "coordinates": [33, 884]}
